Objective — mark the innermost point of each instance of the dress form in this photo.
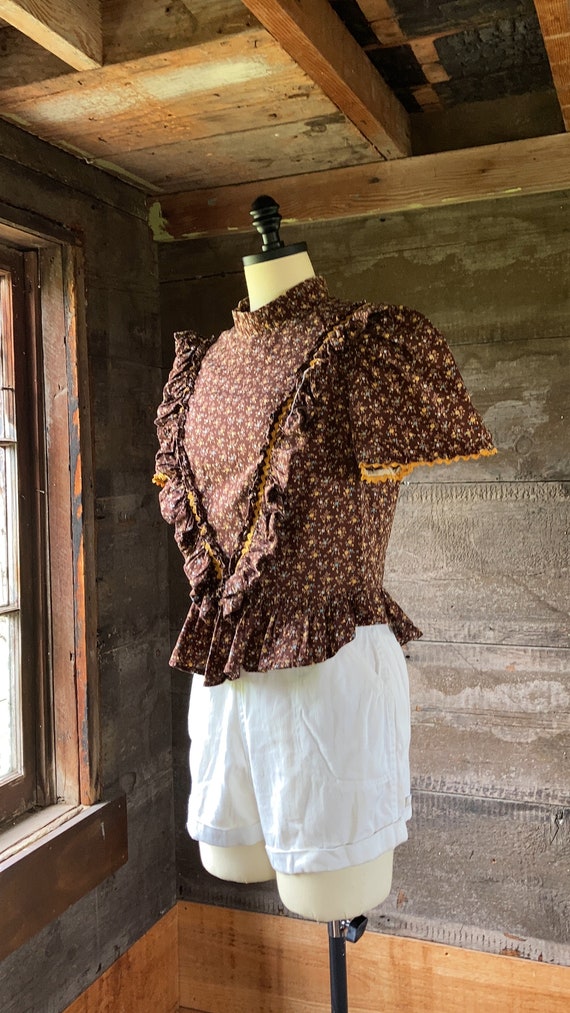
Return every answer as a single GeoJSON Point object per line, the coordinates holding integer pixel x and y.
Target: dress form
{"type": "Point", "coordinates": [321, 896]}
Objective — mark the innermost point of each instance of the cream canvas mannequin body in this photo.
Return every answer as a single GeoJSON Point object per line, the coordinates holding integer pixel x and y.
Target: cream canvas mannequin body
{"type": "Point", "coordinates": [322, 896]}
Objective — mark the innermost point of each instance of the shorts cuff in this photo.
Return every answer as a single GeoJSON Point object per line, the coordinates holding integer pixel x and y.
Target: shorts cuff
{"type": "Point", "coordinates": [346, 855]}
{"type": "Point", "coordinates": [227, 838]}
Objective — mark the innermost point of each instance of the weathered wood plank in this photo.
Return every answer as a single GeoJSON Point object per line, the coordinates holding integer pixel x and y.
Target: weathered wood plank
{"type": "Point", "coordinates": [63, 179]}
{"type": "Point", "coordinates": [138, 28]}
{"type": "Point", "coordinates": [384, 22]}
{"type": "Point", "coordinates": [246, 961]}
{"type": "Point", "coordinates": [47, 186]}
{"type": "Point", "coordinates": [209, 314]}
{"type": "Point", "coordinates": [455, 264]}
{"type": "Point", "coordinates": [39, 884]}
{"type": "Point", "coordinates": [313, 145]}
{"type": "Point", "coordinates": [81, 478]}
{"type": "Point", "coordinates": [193, 70]}
{"type": "Point", "coordinates": [491, 721]}
{"type": "Point", "coordinates": [70, 29]}
{"type": "Point", "coordinates": [490, 122]}
{"type": "Point", "coordinates": [523, 391]}
{"type": "Point", "coordinates": [479, 854]}
{"type": "Point", "coordinates": [57, 393]}
{"type": "Point", "coordinates": [554, 19]}
{"type": "Point", "coordinates": [537, 165]}
{"type": "Point", "coordinates": [181, 96]}
{"type": "Point", "coordinates": [285, 98]}
{"type": "Point", "coordinates": [490, 566]}
{"type": "Point", "coordinates": [24, 61]}
{"type": "Point", "coordinates": [318, 41]}
{"type": "Point", "coordinates": [522, 225]}
{"type": "Point", "coordinates": [154, 102]}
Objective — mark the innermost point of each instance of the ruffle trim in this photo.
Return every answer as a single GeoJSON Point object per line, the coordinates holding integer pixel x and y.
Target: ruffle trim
{"type": "Point", "coordinates": [275, 635]}
{"type": "Point", "coordinates": [284, 441]}
{"type": "Point", "coordinates": [212, 583]}
{"type": "Point", "coordinates": [395, 472]}
{"type": "Point", "coordinates": [178, 501]}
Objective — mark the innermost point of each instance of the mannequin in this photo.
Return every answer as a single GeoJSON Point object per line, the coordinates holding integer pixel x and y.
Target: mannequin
{"type": "Point", "coordinates": [281, 446]}
{"type": "Point", "coordinates": [321, 896]}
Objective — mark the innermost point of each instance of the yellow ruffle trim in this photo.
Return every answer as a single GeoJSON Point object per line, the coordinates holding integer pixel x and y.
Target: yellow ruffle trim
{"type": "Point", "coordinates": [315, 361]}
{"type": "Point", "coordinates": [395, 472]}
{"type": "Point", "coordinates": [203, 532]}
{"type": "Point", "coordinates": [159, 478]}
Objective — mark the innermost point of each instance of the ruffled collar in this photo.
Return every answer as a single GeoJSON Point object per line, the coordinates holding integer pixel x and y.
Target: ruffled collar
{"type": "Point", "coordinates": [295, 304]}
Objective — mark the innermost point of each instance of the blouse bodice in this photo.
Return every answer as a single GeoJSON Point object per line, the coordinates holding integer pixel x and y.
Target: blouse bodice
{"type": "Point", "coordinates": [282, 445]}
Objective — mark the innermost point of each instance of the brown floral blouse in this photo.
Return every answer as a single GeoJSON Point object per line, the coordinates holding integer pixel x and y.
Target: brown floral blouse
{"type": "Point", "coordinates": [282, 443]}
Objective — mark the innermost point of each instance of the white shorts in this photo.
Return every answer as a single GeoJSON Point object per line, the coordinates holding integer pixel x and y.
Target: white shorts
{"type": "Point", "coordinates": [311, 761]}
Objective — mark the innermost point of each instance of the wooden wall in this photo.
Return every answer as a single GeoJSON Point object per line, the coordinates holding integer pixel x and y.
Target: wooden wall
{"type": "Point", "coordinates": [47, 973]}
{"type": "Point", "coordinates": [252, 963]}
{"type": "Point", "coordinates": [200, 958]}
{"type": "Point", "coordinates": [478, 558]}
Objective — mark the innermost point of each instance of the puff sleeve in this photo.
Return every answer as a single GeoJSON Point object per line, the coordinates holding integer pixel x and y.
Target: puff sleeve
{"type": "Point", "coordinates": [407, 401]}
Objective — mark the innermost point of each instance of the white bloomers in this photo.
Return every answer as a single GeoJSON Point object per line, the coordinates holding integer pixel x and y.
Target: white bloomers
{"type": "Point", "coordinates": [311, 761]}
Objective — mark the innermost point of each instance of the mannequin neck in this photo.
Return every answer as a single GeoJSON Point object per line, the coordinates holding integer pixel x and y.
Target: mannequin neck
{"type": "Point", "coordinates": [269, 279]}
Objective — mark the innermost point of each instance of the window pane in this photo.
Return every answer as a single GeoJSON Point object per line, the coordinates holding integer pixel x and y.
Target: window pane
{"type": "Point", "coordinates": [11, 752]}
{"type": "Point", "coordinates": [7, 413]}
{"type": "Point", "coordinates": [10, 708]}
{"type": "Point", "coordinates": [9, 576]}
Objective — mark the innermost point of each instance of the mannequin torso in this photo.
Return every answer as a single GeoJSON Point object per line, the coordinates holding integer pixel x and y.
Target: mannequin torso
{"type": "Point", "coordinates": [322, 896]}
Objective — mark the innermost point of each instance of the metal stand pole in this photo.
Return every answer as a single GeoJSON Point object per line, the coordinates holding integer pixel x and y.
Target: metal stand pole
{"type": "Point", "coordinates": [337, 967]}
{"type": "Point", "coordinates": [339, 933]}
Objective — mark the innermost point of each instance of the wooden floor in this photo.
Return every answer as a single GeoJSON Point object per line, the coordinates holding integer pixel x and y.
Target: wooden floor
{"type": "Point", "coordinates": [204, 959]}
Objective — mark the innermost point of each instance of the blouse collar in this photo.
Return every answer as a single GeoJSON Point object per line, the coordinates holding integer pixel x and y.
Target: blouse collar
{"type": "Point", "coordinates": [294, 304]}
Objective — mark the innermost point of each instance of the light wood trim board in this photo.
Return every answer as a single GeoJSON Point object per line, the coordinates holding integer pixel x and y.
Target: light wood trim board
{"type": "Point", "coordinates": [244, 962]}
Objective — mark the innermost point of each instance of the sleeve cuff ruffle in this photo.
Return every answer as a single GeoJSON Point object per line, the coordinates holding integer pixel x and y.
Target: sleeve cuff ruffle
{"type": "Point", "coordinates": [395, 472]}
{"type": "Point", "coordinates": [408, 403]}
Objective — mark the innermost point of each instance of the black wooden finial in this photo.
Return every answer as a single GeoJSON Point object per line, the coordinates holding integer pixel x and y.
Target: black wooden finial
{"type": "Point", "coordinates": [267, 220]}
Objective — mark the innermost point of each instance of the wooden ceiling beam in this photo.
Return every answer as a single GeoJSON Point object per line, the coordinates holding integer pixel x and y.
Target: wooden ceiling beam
{"type": "Point", "coordinates": [537, 165]}
{"type": "Point", "coordinates": [554, 19]}
{"type": "Point", "coordinates": [315, 37]}
{"type": "Point", "coordinates": [70, 29]}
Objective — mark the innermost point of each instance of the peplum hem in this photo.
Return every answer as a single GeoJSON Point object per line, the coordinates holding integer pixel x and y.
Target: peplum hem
{"type": "Point", "coordinates": [267, 637]}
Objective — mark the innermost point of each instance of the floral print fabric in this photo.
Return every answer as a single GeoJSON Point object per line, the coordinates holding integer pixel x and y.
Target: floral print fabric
{"type": "Point", "coordinates": [281, 446]}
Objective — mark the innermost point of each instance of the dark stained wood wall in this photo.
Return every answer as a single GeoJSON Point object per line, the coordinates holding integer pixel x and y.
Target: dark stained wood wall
{"type": "Point", "coordinates": [478, 558]}
{"type": "Point", "coordinates": [48, 972]}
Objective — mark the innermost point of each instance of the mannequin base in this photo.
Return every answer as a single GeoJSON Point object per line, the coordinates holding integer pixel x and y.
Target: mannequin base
{"type": "Point", "coordinates": [320, 896]}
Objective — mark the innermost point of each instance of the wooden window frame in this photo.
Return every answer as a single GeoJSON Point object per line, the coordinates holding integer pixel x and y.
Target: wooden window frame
{"type": "Point", "coordinates": [50, 858]}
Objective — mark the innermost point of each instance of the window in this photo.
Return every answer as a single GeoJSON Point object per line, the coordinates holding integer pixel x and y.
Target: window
{"type": "Point", "coordinates": [57, 840]}
{"type": "Point", "coordinates": [48, 677]}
